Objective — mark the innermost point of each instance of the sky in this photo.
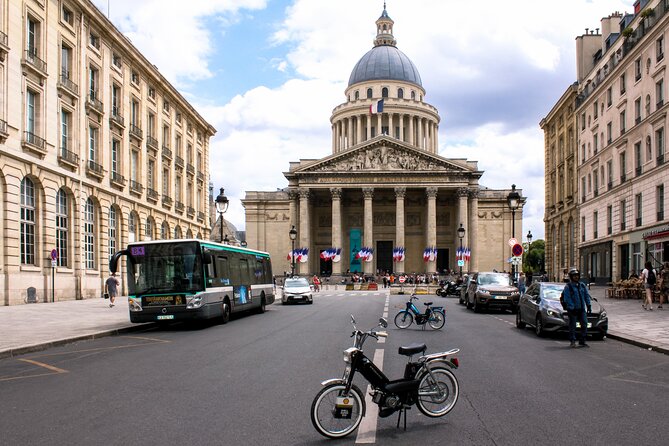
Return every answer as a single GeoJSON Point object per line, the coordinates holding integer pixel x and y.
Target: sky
{"type": "Point", "coordinates": [268, 73]}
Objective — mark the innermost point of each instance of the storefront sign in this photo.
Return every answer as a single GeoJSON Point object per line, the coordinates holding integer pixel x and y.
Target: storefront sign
{"type": "Point", "coordinates": [662, 231]}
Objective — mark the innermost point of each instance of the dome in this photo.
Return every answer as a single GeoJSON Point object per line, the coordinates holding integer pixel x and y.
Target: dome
{"type": "Point", "coordinates": [385, 62]}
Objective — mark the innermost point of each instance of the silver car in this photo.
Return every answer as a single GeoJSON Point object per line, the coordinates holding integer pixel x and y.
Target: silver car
{"type": "Point", "coordinates": [297, 289]}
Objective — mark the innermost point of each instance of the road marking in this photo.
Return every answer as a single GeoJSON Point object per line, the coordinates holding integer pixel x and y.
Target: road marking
{"type": "Point", "coordinates": [367, 429]}
{"type": "Point", "coordinates": [46, 366]}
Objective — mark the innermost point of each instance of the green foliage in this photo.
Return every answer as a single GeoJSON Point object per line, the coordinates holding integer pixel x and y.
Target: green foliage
{"type": "Point", "coordinates": [534, 258]}
{"type": "Point", "coordinates": [627, 32]}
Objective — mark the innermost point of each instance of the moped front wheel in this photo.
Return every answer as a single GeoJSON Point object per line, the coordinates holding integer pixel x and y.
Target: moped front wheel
{"type": "Point", "coordinates": [403, 319]}
{"type": "Point", "coordinates": [336, 413]}
{"type": "Point", "coordinates": [437, 392]}
{"type": "Point", "coordinates": [437, 320]}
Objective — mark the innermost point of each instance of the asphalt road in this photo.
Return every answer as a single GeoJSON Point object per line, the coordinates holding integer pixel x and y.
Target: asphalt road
{"type": "Point", "coordinates": [252, 382]}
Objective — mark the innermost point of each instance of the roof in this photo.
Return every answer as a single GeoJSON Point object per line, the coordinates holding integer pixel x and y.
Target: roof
{"type": "Point", "coordinates": [385, 62]}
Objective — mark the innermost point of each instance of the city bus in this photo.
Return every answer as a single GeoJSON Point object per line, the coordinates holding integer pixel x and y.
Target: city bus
{"type": "Point", "coordinates": [170, 280]}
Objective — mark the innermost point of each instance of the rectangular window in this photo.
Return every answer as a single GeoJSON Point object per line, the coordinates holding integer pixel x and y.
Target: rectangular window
{"type": "Point", "coordinates": [609, 132]}
{"type": "Point", "coordinates": [609, 174]}
{"type": "Point", "coordinates": [151, 125]}
{"type": "Point", "coordinates": [116, 100]}
{"type": "Point", "coordinates": [637, 69]}
{"type": "Point", "coordinates": [659, 145]}
{"type": "Point", "coordinates": [150, 170]}
{"type": "Point", "coordinates": [134, 113]}
{"type": "Point", "coordinates": [659, 49]}
{"type": "Point", "coordinates": [623, 167]}
{"type": "Point", "coordinates": [623, 215]}
{"type": "Point", "coordinates": [638, 204]}
{"type": "Point", "coordinates": [609, 220]}
{"type": "Point", "coordinates": [659, 197]}
{"type": "Point", "coordinates": [62, 228]}
{"type": "Point", "coordinates": [134, 165]}
{"type": "Point", "coordinates": [166, 136]}
{"type": "Point", "coordinates": [93, 77]}
{"type": "Point", "coordinates": [31, 112]}
{"type": "Point", "coordinates": [134, 77]}
{"type": "Point", "coordinates": [89, 235]}
{"type": "Point", "coordinates": [115, 153]}
{"type": "Point", "coordinates": [659, 93]}
{"type": "Point", "coordinates": [112, 231]}
{"type": "Point", "coordinates": [166, 105]}
{"type": "Point", "coordinates": [595, 143]}
{"type": "Point", "coordinates": [65, 122]}
{"type": "Point", "coordinates": [92, 143]}
{"type": "Point", "coordinates": [622, 83]}
{"type": "Point", "coordinates": [623, 125]}
{"type": "Point", "coordinates": [65, 61]}
{"type": "Point", "coordinates": [32, 37]}
{"type": "Point", "coordinates": [637, 111]}
{"type": "Point", "coordinates": [67, 16]}
{"type": "Point", "coordinates": [583, 153]}
{"type": "Point", "coordinates": [152, 93]}
{"type": "Point", "coordinates": [637, 158]}
{"type": "Point", "coordinates": [166, 182]}
{"type": "Point", "coordinates": [595, 110]}
{"type": "Point", "coordinates": [609, 96]}
{"type": "Point", "coordinates": [117, 61]}
{"type": "Point", "coordinates": [595, 216]}
{"type": "Point", "coordinates": [583, 190]}
{"type": "Point", "coordinates": [582, 229]}
{"type": "Point", "coordinates": [189, 194]}
{"type": "Point", "coordinates": [28, 212]}
{"type": "Point", "coordinates": [177, 189]}
{"type": "Point", "coordinates": [94, 40]}
{"type": "Point", "coordinates": [582, 121]}
{"type": "Point", "coordinates": [595, 181]}
{"type": "Point", "coordinates": [177, 145]}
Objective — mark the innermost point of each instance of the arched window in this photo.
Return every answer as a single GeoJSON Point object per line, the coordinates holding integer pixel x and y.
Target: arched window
{"type": "Point", "coordinates": [189, 234]}
{"type": "Point", "coordinates": [572, 241]}
{"type": "Point", "coordinates": [384, 92]}
{"type": "Point", "coordinates": [165, 231]}
{"type": "Point", "coordinates": [385, 27]}
{"type": "Point", "coordinates": [177, 232]}
{"type": "Point", "coordinates": [27, 222]}
{"type": "Point", "coordinates": [113, 231]}
{"type": "Point", "coordinates": [357, 95]}
{"type": "Point", "coordinates": [400, 93]}
{"type": "Point", "coordinates": [563, 246]}
{"type": "Point", "coordinates": [148, 233]}
{"type": "Point", "coordinates": [132, 227]}
{"type": "Point", "coordinates": [89, 234]}
{"type": "Point", "coordinates": [369, 93]}
{"type": "Point", "coordinates": [413, 95]}
{"type": "Point", "coordinates": [62, 233]}
{"type": "Point", "coordinates": [199, 236]}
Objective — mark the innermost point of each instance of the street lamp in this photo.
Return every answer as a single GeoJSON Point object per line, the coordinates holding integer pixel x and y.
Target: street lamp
{"type": "Point", "coordinates": [226, 240]}
{"type": "Point", "coordinates": [293, 235]}
{"type": "Point", "coordinates": [461, 234]}
{"type": "Point", "coordinates": [529, 240]}
{"type": "Point", "coordinates": [513, 200]}
{"type": "Point", "coordinates": [243, 243]}
{"type": "Point", "coordinates": [222, 203]}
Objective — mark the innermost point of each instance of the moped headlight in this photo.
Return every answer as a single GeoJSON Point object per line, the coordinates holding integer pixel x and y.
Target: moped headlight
{"type": "Point", "coordinates": [348, 354]}
{"type": "Point", "coordinates": [603, 315]}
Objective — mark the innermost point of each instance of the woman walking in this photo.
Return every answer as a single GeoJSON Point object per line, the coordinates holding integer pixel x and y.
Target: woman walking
{"type": "Point", "coordinates": [649, 277]}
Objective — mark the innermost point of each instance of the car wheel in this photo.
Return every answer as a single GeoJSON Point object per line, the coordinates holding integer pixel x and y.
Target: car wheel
{"type": "Point", "coordinates": [539, 326]}
{"type": "Point", "coordinates": [477, 306]}
{"type": "Point", "coordinates": [468, 304]}
{"type": "Point", "coordinates": [598, 336]}
{"type": "Point", "coordinates": [460, 301]}
{"type": "Point", "coordinates": [311, 300]}
{"type": "Point", "coordinates": [519, 321]}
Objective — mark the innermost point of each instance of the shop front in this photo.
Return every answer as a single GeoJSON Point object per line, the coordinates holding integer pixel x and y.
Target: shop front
{"type": "Point", "coordinates": [596, 263]}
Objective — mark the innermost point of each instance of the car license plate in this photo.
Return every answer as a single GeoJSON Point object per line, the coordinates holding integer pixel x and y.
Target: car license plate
{"type": "Point", "coordinates": [500, 297]}
{"type": "Point", "coordinates": [578, 325]}
{"type": "Point", "coordinates": [164, 317]}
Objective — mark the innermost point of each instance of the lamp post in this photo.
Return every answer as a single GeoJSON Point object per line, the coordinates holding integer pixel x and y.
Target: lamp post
{"type": "Point", "coordinates": [222, 203]}
{"type": "Point", "coordinates": [225, 240]}
{"type": "Point", "coordinates": [293, 235]}
{"type": "Point", "coordinates": [529, 245]}
{"type": "Point", "coordinates": [513, 200]}
{"type": "Point", "coordinates": [243, 244]}
{"type": "Point", "coordinates": [461, 235]}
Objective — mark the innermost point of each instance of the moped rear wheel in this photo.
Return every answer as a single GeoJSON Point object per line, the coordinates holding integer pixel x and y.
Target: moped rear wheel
{"type": "Point", "coordinates": [437, 320]}
{"type": "Point", "coordinates": [403, 319]}
{"type": "Point", "coordinates": [337, 422]}
{"type": "Point", "coordinates": [437, 392]}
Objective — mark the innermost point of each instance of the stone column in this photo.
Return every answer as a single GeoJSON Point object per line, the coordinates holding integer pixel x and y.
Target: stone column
{"type": "Point", "coordinates": [462, 193]}
{"type": "Point", "coordinates": [349, 136]}
{"type": "Point", "coordinates": [305, 230]}
{"type": "Point", "coordinates": [292, 203]}
{"type": "Point", "coordinates": [368, 225]}
{"type": "Point", "coordinates": [411, 135]}
{"type": "Point", "coordinates": [421, 144]}
{"type": "Point", "coordinates": [474, 228]}
{"type": "Point", "coordinates": [391, 130]}
{"type": "Point", "coordinates": [358, 122]}
{"type": "Point", "coordinates": [431, 235]}
{"type": "Point", "coordinates": [369, 128]}
{"type": "Point", "coordinates": [334, 138]}
{"type": "Point", "coordinates": [436, 138]}
{"type": "Point", "coordinates": [400, 193]}
{"type": "Point", "coordinates": [401, 127]}
{"type": "Point", "coordinates": [379, 123]}
{"type": "Point", "coordinates": [336, 225]}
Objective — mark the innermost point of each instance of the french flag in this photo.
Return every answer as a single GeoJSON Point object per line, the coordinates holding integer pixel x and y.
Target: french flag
{"type": "Point", "coordinates": [376, 107]}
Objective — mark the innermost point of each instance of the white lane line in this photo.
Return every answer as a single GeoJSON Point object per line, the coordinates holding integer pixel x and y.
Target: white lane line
{"type": "Point", "coordinates": [367, 429]}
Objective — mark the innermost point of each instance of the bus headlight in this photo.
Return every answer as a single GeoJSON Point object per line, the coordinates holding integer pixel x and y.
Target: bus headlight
{"type": "Point", "coordinates": [194, 302]}
{"type": "Point", "coordinates": [134, 304]}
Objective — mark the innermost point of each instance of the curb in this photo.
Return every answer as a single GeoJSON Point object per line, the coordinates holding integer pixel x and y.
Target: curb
{"type": "Point", "coordinates": [60, 342]}
{"type": "Point", "coordinates": [637, 342]}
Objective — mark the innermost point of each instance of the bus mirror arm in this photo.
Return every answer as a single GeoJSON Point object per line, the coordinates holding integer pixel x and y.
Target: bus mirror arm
{"type": "Point", "coordinates": [206, 258]}
{"type": "Point", "coordinates": [113, 262]}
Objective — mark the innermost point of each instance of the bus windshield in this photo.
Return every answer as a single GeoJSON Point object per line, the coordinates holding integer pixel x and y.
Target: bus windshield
{"type": "Point", "coordinates": [156, 268]}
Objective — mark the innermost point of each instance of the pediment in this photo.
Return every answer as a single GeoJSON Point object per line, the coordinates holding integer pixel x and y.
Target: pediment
{"type": "Point", "coordinates": [384, 155]}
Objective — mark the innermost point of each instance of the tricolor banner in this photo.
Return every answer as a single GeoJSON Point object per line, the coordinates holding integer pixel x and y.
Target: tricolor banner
{"type": "Point", "coordinates": [398, 254]}
{"type": "Point", "coordinates": [376, 107]}
{"type": "Point", "coordinates": [430, 254]}
{"type": "Point", "coordinates": [330, 254]}
{"type": "Point", "coordinates": [366, 254]}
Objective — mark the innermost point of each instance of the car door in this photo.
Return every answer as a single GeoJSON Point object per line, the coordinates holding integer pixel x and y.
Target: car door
{"type": "Point", "coordinates": [533, 305]}
{"type": "Point", "coordinates": [525, 299]}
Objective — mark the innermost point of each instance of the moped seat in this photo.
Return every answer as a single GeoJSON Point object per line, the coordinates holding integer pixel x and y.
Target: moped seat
{"type": "Point", "coordinates": [427, 303]}
{"type": "Point", "coordinates": [412, 349]}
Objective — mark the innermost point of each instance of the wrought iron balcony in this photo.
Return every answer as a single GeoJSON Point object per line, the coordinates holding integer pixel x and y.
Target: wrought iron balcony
{"type": "Point", "coordinates": [200, 176]}
{"type": "Point", "coordinates": [179, 206]}
{"type": "Point", "coordinates": [117, 116]}
{"type": "Point", "coordinates": [34, 142]}
{"type": "Point", "coordinates": [151, 142]}
{"type": "Point", "coordinates": [66, 84]}
{"type": "Point", "coordinates": [136, 131]}
{"type": "Point", "coordinates": [200, 215]}
{"type": "Point", "coordinates": [190, 169]}
{"type": "Point", "coordinates": [596, 192]}
{"type": "Point", "coordinates": [95, 169]}
{"type": "Point", "coordinates": [68, 157]}
{"type": "Point", "coordinates": [32, 61]}
{"type": "Point", "coordinates": [660, 159]}
{"type": "Point", "coordinates": [118, 179]}
{"type": "Point", "coordinates": [167, 153]}
{"type": "Point", "coordinates": [167, 200]}
{"type": "Point", "coordinates": [637, 171]}
{"type": "Point", "coordinates": [609, 185]}
{"type": "Point", "coordinates": [136, 187]}
{"type": "Point", "coordinates": [3, 128]}
{"type": "Point", "coordinates": [179, 162]}
{"type": "Point", "coordinates": [623, 178]}
{"type": "Point", "coordinates": [152, 194]}
{"type": "Point", "coordinates": [191, 211]}
{"type": "Point", "coordinates": [94, 103]}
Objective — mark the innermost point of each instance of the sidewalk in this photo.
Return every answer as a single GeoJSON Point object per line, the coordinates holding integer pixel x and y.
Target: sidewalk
{"type": "Point", "coordinates": [32, 327]}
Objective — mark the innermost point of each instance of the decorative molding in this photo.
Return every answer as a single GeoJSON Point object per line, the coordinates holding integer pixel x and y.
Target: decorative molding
{"type": "Point", "coordinates": [496, 214]}
{"type": "Point", "coordinates": [462, 192]}
{"type": "Point", "coordinates": [368, 193]}
{"type": "Point", "coordinates": [400, 192]}
{"type": "Point", "coordinates": [474, 193]}
{"type": "Point", "coordinates": [431, 192]}
{"type": "Point", "coordinates": [305, 194]}
{"type": "Point", "coordinates": [293, 194]}
{"type": "Point", "coordinates": [383, 158]}
{"type": "Point", "coordinates": [336, 193]}
{"type": "Point", "coordinates": [483, 214]}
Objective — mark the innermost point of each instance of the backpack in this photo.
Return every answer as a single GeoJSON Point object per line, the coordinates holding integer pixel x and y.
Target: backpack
{"type": "Point", "coordinates": [562, 302]}
{"type": "Point", "coordinates": [651, 280]}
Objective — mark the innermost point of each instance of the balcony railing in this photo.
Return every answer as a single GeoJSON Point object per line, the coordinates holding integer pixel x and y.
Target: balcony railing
{"type": "Point", "coordinates": [93, 102]}
{"type": "Point", "coordinates": [118, 179]}
{"type": "Point", "coordinates": [200, 176]}
{"type": "Point", "coordinates": [167, 153]}
{"type": "Point", "coordinates": [35, 62]}
{"type": "Point", "coordinates": [638, 221]}
{"type": "Point", "coordinates": [136, 131]}
{"type": "Point", "coordinates": [179, 206]}
{"type": "Point", "coordinates": [609, 185]}
{"type": "Point", "coordinates": [35, 141]}
{"type": "Point", "coordinates": [95, 167]}
{"type": "Point", "coordinates": [190, 169]}
{"type": "Point", "coordinates": [596, 192]}
{"type": "Point", "coordinates": [68, 156]}
{"type": "Point", "coordinates": [637, 171]}
{"type": "Point", "coordinates": [3, 39]}
{"type": "Point", "coordinates": [660, 103]}
{"type": "Point", "coordinates": [117, 116]}
{"type": "Point", "coordinates": [660, 159]}
{"type": "Point", "coordinates": [623, 178]}
{"type": "Point", "coordinates": [583, 198]}
{"type": "Point", "coordinates": [136, 187]}
{"type": "Point", "coordinates": [3, 127]}
{"type": "Point", "coordinates": [191, 211]}
{"type": "Point", "coordinates": [200, 215]}
{"type": "Point", "coordinates": [152, 194]}
{"type": "Point", "coordinates": [660, 215]}
{"type": "Point", "coordinates": [179, 162]}
{"type": "Point", "coordinates": [67, 84]}
{"type": "Point", "coordinates": [637, 120]}
{"type": "Point", "coordinates": [167, 200]}
{"type": "Point", "coordinates": [151, 142]}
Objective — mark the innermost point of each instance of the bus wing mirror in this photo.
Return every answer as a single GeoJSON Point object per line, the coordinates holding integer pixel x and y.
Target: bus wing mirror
{"type": "Point", "coordinates": [113, 262]}
{"type": "Point", "coordinates": [206, 258]}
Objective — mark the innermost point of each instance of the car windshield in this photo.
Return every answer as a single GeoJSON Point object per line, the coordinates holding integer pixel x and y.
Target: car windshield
{"type": "Point", "coordinates": [494, 279]}
{"type": "Point", "coordinates": [296, 283]}
{"type": "Point", "coordinates": [552, 292]}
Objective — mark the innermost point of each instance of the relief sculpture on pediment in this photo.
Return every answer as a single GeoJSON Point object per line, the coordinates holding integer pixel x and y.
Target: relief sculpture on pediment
{"type": "Point", "coordinates": [382, 158]}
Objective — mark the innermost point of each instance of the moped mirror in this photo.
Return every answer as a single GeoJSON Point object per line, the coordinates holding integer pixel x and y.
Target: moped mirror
{"type": "Point", "coordinates": [383, 322]}
{"type": "Point", "coordinates": [352, 320]}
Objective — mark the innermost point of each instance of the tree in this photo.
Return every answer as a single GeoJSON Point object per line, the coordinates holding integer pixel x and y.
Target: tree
{"type": "Point", "coordinates": [534, 258]}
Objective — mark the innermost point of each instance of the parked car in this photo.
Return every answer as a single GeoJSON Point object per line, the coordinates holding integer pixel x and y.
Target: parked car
{"type": "Point", "coordinates": [540, 307]}
{"type": "Point", "coordinates": [297, 289]}
{"type": "Point", "coordinates": [492, 290]}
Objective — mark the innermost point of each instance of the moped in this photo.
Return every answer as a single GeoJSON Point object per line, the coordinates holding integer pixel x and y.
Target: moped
{"type": "Point", "coordinates": [434, 316]}
{"type": "Point", "coordinates": [429, 383]}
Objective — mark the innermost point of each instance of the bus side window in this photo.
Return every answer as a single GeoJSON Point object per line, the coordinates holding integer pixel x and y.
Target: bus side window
{"type": "Point", "coordinates": [235, 274]}
{"type": "Point", "coordinates": [244, 267]}
{"type": "Point", "coordinates": [222, 270]}
{"type": "Point", "coordinates": [260, 272]}
{"type": "Point", "coordinates": [267, 270]}
{"type": "Point", "coordinates": [211, 274]}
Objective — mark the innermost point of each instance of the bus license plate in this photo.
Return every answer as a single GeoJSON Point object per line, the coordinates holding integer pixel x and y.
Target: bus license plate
{"type": "Point", "coordinates": [165, 317]}
{"type": "Point", "coordinates": [578, 325]}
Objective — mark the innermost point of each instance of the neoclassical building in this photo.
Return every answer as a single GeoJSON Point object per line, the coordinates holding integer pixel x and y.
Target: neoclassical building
{"type": "Point", "coordinates": [97, 149]}
{"type": "Point", "coordinates": [384, 185]}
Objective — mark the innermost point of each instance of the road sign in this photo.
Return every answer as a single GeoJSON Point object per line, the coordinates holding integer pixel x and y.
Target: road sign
{"type": "Point", "coordinates": [512, 241]}
{"type": "Point", "coordinates": [461, 263]}
{"type": "Point", "coordinates": [517, 250]}
{"type": "Point", "coordinates": [53, 263]}
{"type": "Point", "coordinates": [54, 254]}
{"type": "Point", "coordinates": [402, 279]}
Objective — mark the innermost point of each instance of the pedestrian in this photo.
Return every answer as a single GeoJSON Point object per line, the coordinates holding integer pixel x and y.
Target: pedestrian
{"type": "Point", "coordinates": [111, 288]}
{"type": "Point", "coordinates": [565, 276]}
{"type": "Point", "coordinates": [317, 283]}
{"type": "Point", "coordinates": [521, 283]}
{"type": "Point", "coordinates": [649, 277]}
{"type": "Point", "coordinates": [664, 284]}
{"type": "Point", "coordinates": [577, 301]}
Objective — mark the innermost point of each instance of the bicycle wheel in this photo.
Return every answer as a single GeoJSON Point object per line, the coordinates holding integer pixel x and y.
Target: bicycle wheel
{"type": "Point", "coordinates": [437, 320]}
{"type": "Point", "coordinates": [334, 414]}
{"type": "Point", "coordinates": [403, 319]}
{"type": "Point", "coordinates": [438, 392]}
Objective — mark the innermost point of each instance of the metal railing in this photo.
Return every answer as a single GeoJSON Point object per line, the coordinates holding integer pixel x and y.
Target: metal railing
{"type": "Point", "coordinates": [637, 171]}
{"type": "Point", "coordinates": [179, 162]}
{"type": "Point", "coordinates": [151, 142]}
{"type": "Point", "coordinates": [66, 83]}
{"type": "Point", "coordinates": [200, 215]}
{"type": "Point", "coordinates": [200, 176]}
{"type": "Point", "coordinates": [152, 194]}
{"type": "Point", "coordinates": [136, 187]}
{"type": "Point", "coordinates": [3, 39]}
{"type": "Point", "coordinates": [609, 185]}
{"type": "Point", "coordinates": [95, 168]}
{"type": "Point", "coordinates": [623, 178]}
{"type": "Point", "coordinates": [93, 102]}
{"type": "Point", "coordinates": [167, 200]}
{"type": "Point", "coordinates": [190, 169]}
{"type": "Point", "coordinates": [34, 61]}
{"type": "Point", "coordinates": [191, 211]}
{"type": "Point", "coordinates": [179, 206]}
{"type": "Point", "coordinates": [167, 153]}
{"type": "Point", "coordinates": [3, 127]}
{"type": "Point", "coordinates": [34, 140]}
{"type": "Point", "coordinates": [117, 116]}
{"type": "Point", "coordinates": [68, 156]}
{"type": "Point", "coordinates": [118, 178]}
{"type": "Point", "coordinates": [136, 131]}
{"type": "Point", "coordinates": [660, 159]}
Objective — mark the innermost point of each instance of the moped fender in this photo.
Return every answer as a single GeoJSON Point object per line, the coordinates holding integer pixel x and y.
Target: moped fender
{"type": "Point", "coordinates": [333, 381]}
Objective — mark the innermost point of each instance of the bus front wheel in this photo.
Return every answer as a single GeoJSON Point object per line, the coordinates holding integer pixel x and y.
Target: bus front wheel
{"type": "Point", "coordinates": [263, 304]}
{"type": "Point", "coordinates": [226, 312]}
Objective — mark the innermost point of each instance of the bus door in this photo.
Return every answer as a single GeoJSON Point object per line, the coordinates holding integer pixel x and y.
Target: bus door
{"type": "Point", "coordinates": [243, 291]}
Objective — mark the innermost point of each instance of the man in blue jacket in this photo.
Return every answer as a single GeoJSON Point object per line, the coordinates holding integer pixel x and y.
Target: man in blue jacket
{"type": "Point", "coordinates": [577, 300]}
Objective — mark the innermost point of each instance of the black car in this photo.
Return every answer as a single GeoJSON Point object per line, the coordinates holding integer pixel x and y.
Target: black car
{"type": "Point", "coordinates": [540, 307]}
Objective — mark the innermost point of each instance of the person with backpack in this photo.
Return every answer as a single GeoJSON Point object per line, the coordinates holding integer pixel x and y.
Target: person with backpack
{"type": "Point", "coordinates": [649, 277]}
{"type": "Point", "coordinates": [664, 284]}
{"type": "Point", "coordinates": [576, 300]}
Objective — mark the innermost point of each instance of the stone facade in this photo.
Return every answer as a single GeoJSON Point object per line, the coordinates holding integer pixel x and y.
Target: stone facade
{"type": "Point", "coordinates": [96, 149]}
{"type": "Point", "coordinates": [384, 186]}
